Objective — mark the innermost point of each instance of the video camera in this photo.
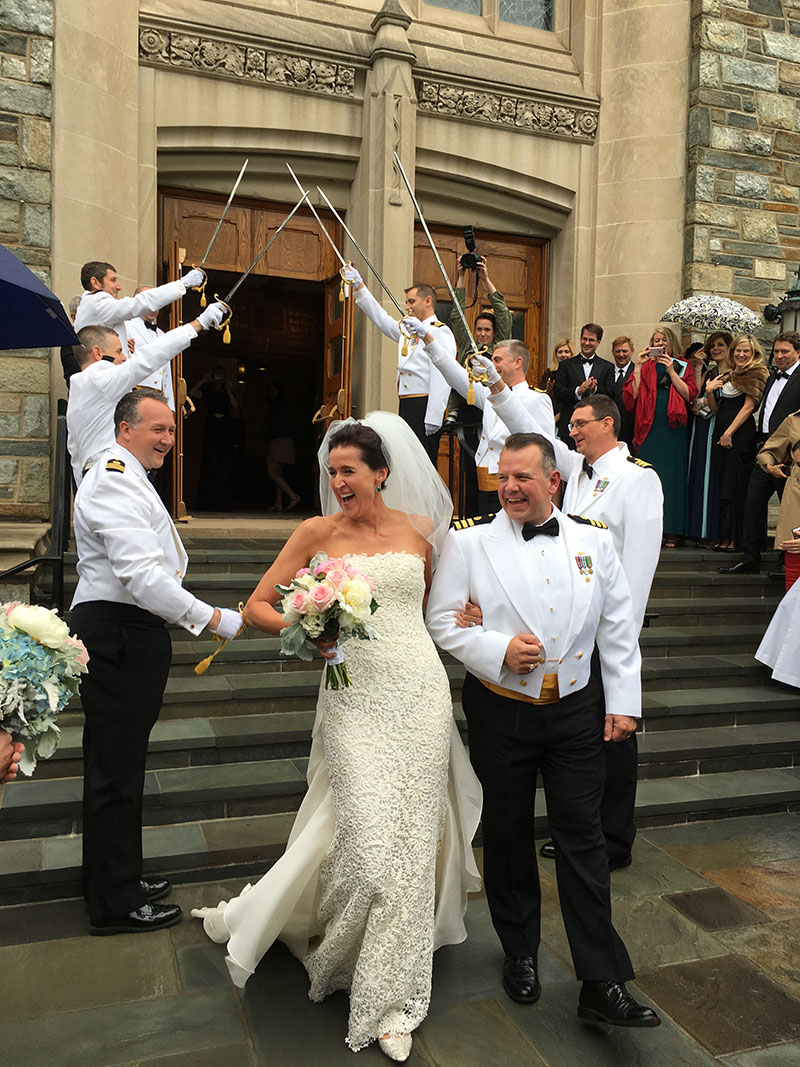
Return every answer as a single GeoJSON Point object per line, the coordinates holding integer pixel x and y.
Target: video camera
{"type": "Point", "coordinates": [471, 258]}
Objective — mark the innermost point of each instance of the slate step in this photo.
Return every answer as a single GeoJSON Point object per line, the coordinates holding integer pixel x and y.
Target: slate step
{"type": "Point", "coordinates": [740, 705]}
{"type": "Point", "coordinates": [44, 868]}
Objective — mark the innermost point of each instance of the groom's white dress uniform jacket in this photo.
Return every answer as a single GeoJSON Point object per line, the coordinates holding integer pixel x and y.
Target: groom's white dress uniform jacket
{"type": "Point", "coordinates": [129, 551]}
{"type": "Point", "coordinates": [490, 564]}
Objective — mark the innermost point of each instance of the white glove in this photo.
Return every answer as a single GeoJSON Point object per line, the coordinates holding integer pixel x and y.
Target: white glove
{"type": "Point", "coordinates": [212, 316]}
{"type": "Point", "coordinates": [430, 429]}
{"type": "Point", "coordinates": [351, 276]}
{"type": "Point", "coordinates": [414, 327]}
{"type": "Point", "coordinates": [481, 364]}
{"type": "Point", "coordinates": [230, 622]}
{"type": "Point", "coordinates": [194, 278]}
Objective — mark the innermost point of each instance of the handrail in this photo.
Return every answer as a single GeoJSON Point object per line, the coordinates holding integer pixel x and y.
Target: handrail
{"type": "Point", "coordinates": [60, 525]}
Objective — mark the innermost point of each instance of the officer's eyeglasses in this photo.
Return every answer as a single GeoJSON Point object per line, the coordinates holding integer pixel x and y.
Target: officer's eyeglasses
{"type": "Point", "coordinates": [580, 423]}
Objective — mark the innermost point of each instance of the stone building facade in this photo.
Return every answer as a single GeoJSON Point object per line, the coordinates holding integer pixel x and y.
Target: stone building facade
{"type": "Point", "coordinates": [26, 70]}
{"type": "Point", "coordinates": [743, 183]}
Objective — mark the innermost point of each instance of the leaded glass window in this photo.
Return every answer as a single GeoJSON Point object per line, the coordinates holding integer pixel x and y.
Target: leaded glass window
{"type": "Point", "coordinates": [469, 7]}
{"type": "Point", "coordinates": [538, 14]}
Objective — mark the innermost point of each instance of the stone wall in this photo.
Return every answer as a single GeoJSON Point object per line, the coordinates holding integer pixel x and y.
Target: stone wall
{"type": "Point", "coordinates": [742, 233]}
{"type": "Point", "coordinates": [26, 67]}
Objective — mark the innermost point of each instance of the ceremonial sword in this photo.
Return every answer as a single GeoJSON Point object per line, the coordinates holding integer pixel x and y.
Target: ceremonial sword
{"type": "Point", "coordinates": [361, 252]}
{"type": "Point", "coordinates": [331, 242]}
{"type": "Point", "coordinates": [226, 337]}
{"type": "Point", "coordinates": [202, 288]}
{"type": "Point", "coordinates": [480, 376]}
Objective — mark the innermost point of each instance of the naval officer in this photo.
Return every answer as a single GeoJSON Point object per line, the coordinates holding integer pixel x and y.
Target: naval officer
{"type": "Point", "coordinates": [131, 564]}
{"type": "Point", "coordinates": [511, 359]}
{"type": "Point", "coordinates": [421, 390]}
{"type": "Point", "coordinates": [556, 606]}
{"type": "Point", "coordinates": [106, 375]}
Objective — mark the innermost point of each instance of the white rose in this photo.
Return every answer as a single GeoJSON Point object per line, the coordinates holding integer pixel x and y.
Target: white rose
{"type": "Point", "coordinates": [42, 625]}
{"type": "Point", "coordinates": [356, 597]}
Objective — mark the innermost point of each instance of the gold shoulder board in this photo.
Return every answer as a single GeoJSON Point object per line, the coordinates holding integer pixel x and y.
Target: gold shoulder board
{"type": "Point", "coordinates": [588, 522]}
{"type": "Point", "coordinates": [437, 323]}
{"type": "Point", "coordinates": [536, 389]}
{"type": "Point", "coordinates": [115, 465]}
{"type": "Point", "coordinates": [639, 462]}
{"type": "Point", "coordinates": [478, 520]}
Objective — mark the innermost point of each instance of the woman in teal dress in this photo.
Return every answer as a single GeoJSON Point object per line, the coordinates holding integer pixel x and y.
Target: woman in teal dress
{"type": "Point", "coordinates": [659, 393]}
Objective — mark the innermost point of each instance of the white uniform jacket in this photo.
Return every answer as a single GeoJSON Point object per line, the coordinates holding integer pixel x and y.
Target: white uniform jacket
{"type": "Point", "coordinates": [494, 432]}
{"type": "Point", "coordinates": [102, 309]}
{"type": "Point", "coordinates": [94, 394]}
{"type": "Point", "coordinates": [486, 564]}
{"type": "Point", "coordinates": [162, 378]}
{"type": "Point", "coordinates": [624, 493]}
{"type": "Point", "coordinates": [415, 375]}
{"type": "Point", "coordinates": [129, 551]}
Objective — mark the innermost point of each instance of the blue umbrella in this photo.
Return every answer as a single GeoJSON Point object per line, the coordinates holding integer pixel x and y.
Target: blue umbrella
{"type": "Point", "coordinates": [33, 316]}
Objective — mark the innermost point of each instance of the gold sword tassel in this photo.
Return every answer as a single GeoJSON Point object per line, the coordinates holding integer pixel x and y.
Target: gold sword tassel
{"type": "Point", "coordinates": [204, 664]}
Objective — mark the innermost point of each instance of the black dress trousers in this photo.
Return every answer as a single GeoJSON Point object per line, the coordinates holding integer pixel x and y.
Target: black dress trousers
{"type": "Point", "coordinates": [509, 742]}
{"type": "Point", "coordinates": [618, 806]}
{"type": "Point", "coordinates": [412, 410]}
{"type": "Point", "coordinates": [129, 659]}
{"type": "Point", "coordinates": [760, 488]}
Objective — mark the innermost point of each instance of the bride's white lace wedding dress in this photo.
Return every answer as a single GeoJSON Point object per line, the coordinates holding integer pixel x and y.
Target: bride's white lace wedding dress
{"type": "Point", "coordinates": [379, 860]}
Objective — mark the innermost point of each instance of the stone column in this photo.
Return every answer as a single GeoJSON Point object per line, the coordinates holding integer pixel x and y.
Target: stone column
{"type": "Point", "coordinates": [381, 214]}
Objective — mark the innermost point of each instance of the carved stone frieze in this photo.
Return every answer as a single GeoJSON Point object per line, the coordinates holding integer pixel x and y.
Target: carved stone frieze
{"type": "Point", "coordinates": [168, 48]}
{"type": "Point", "coordinates": [535, 116]}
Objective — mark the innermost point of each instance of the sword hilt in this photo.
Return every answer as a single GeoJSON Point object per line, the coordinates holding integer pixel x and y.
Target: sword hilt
{"type": "Point", "coordinates": [480, 376]}
{"type": "Point", "coordinates": [201, 289]}
{"type": "Point", "coordinates": [225, 325]}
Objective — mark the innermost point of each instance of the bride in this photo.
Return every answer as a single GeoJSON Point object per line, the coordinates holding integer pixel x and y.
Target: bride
{"type": "Point", "coordinates": [379, 860]}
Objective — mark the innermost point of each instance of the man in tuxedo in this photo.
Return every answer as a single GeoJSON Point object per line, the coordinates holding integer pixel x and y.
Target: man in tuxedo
{"type": "Point", "coordinates": [581, 376]}
{"type": "Point", "coordinates": [781, 398]}
{"type": "Point", "coordinates": [556, 606]}
{"type": "Point", "coordinates": [622, 351]}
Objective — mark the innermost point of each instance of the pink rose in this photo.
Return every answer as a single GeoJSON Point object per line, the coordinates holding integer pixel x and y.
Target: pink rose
{"type": "Point", "coordinates": [76, 642]}
{"type": "Point", "coordinates": [303, 571]}
{"type": "Point", "coordinates": [337, 576]}
{"type": "Point", "coordinates": [10, 606]}
{"type": "Point", "coordinates": [323, 568]}
{"type": "Point", "coordinates": [298, 601]}
{"type": "Point", "coordinates": [322, 596]}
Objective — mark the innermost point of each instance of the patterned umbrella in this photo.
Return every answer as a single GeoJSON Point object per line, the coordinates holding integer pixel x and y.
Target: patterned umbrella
{"type": "Point", "coordinates": [709, 313]}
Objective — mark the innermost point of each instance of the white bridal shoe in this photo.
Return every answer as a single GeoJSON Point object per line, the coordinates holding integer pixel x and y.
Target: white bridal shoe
{"type": "Point", "coordinates": [396, 1046]}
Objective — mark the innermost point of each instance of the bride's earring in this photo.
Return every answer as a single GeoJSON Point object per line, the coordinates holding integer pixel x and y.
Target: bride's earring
{"type": "Point", "coordinates": [378, 488]}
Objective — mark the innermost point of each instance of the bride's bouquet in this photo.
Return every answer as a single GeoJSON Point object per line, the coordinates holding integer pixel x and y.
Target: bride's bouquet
{"type": "Point", "coordinates": [327, 599]}
{"type": "Point", "coordinates": [40, 671]}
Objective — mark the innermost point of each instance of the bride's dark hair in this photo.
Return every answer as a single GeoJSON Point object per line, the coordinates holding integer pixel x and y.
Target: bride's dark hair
{"type": "Point", "coordinates": [365, 440]}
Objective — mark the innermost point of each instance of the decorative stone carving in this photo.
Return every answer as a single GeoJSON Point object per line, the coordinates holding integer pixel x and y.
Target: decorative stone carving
{"type": "Point", "coordinates": [535, 116]}
{"type": "Point", "coordinates": [225, 59]}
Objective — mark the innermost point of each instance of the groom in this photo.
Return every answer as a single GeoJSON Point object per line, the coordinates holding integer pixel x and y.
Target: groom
{"type": "Point", "coordinates": [555, 605]}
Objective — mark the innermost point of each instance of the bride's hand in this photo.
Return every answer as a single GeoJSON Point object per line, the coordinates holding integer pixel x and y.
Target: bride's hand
{"type": "Point", "coordinates": [470, 615]}
{"type": "Point", "coordinates": [327, 649]}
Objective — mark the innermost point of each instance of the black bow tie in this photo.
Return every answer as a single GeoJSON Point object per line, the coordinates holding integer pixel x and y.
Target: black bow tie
{"type": "Point", "coordinates": [150, 325]}
{"type": "Point", "coordinates": [550, 528]}
{"type": "Point", "coordinates": [780, 374]}
{"type": "Point", "coordinates": [588, 469]}
{"type": "Point", "coordinates": [587, 359]}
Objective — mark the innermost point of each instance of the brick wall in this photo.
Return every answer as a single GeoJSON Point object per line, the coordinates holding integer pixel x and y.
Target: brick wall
{"type": "Point", "coordinates": [26, 67]}
{"type": "Point", "coordinates": [743, 187]}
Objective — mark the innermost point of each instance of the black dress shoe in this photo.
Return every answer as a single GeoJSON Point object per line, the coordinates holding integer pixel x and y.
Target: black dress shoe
{"type": "Point", "coordinates": [143, 920]}
{"type": "Point", "coordinates": [155, 888]}
{"type": "Point", "coordinates": [521, 980]}
{"type": "Point", "coordinates": [620, 864]}
{"type": "Point", "coordinates": [610, 1002]}
{"type": "Point", "coordinates": [740, 568]}
{"type": "Point", "coordinates": [548, 850]}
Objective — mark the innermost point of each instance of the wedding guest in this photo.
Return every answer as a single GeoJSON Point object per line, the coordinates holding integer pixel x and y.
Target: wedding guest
{"type": "Point", "coordinates": [622, 353]}
{"type": "Point", "coordinates": [780, 458]}
{"type": "Point", "coordinates": [10, 755]}
{"type": "Point", "coordinates": [659, 393]}
{"type": "Point", "coordinates": [583, 375]}
{"type": "Point", "coordinates": [563, 349]}
{"type": "Point", "coordinates": [733, 397]}
{"type": "Point", "coordinates": [712, 360]}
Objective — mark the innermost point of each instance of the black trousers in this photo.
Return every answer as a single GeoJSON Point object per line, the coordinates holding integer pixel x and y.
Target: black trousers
{"type": "Point", "coordinates": [509, 742]}
{"type": "Point", "coordinates": [618, 805]}
{"type": "Point", "coordinates": [412, 410]}
{"type": "Point", "coordinates": [760, 488]}
{"type": "Point", "coordinates": [129, 658]}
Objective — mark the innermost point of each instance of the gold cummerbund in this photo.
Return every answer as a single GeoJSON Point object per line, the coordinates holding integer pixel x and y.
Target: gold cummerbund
{"type": "Point", "coordinates": [487, 482]}
{"type": "Point", "coordinates": [548, 695]}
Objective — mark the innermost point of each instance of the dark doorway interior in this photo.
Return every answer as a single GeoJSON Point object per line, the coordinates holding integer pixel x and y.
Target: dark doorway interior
{"type": "Point", "coordinates": [276, 337]}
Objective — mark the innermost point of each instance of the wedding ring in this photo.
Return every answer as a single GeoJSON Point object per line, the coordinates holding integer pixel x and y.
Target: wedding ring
{"type": "Point", "coordinates": [532, 667]}
{"type": "Point", "coordinates": [472, 624]}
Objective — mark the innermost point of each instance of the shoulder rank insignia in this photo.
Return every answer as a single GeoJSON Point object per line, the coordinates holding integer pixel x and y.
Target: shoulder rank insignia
{"type": "Point", "coordinates": [437, 323]}
{"type": "Point", "coordinates": [536, 389]}
{"type": "Point", "coordinates": [479, 520]}
{"type": "Point", "coordinates": [588, 522]}
{"type": "Point", "coordinates": [115, 465]}
{"type": "Point", "coordinates": [639, 462]}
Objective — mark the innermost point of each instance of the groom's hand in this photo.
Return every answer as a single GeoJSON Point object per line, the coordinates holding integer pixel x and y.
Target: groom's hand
{"type": "Point", "coordinates": [523, 654]}
{"type": "Point", "coordinates": [618, 727]}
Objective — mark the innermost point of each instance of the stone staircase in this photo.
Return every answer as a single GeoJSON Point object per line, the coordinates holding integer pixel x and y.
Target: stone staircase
{"type": "Point", "coordinates": [227, 759]}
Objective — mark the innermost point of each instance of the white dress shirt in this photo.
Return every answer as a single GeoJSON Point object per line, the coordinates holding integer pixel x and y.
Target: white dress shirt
{"type": "Point", "coordinates": [161, 379]}
{"type": "Point", "coordinates": [102, 309]}
{"type": "Point", "coordinates": [129, 551]}
{"type": "Point", "coordinates": [771, 398]}
{"type": "Point", "coordinates": [95, 392]}
{"type": "Point", "coordinates": [415, 375]}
